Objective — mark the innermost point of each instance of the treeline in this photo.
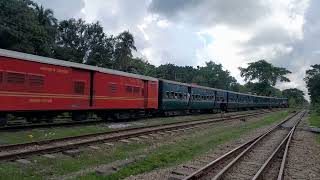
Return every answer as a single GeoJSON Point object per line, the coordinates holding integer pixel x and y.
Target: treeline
{"type": "Point", "coordinates": [31, 28]}
{"type": "Point", "coordinates": [26, 26]}
{"type": "Point", "coordinates": [313, 84]}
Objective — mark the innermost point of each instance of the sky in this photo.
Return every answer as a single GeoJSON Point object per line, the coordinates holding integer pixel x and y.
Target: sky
{"type": "Point", "coordinates": [230, 32]}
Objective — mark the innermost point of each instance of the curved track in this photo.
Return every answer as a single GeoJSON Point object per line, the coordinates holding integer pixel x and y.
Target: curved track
{"type": "Point", "coordinates": [255, 159]}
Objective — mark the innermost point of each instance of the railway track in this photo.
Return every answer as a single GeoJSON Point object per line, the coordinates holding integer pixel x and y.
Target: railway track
{"type": "Point", "coordinates": [263, 157]}
{"type": "Point", "coordinates": [8, 152]}
{"type": "Point", "coordinates": [24, 126]}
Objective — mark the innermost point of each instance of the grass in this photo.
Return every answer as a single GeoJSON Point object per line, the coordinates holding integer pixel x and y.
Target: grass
{"type": "Point", "coordinates": [45, 134]}
{"type": "Point", "coordinates": [314, 121]}
{"type": "Point", "coordinates": [60, 132]}
{"type": "Point", "coordinates": [188, 149]}
{"type": "Point", "coordinates": [167, 154]}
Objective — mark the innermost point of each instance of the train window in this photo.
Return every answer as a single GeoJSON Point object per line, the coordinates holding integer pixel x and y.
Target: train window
{"type": "Point", "coordinates": [167, 94]}
{"type": "Point", "coordinates": [36, 80]}
{"type": "Point", "coordinates": [112, 88]}
{"type": "Point", "coordinates": [176, 95]}
{"type": "Point", "coordinates": [129, 89]}
{"type": "Point", "coordinates": [15, 78]}
{"type": "Point", "coordinates": [79, 87]}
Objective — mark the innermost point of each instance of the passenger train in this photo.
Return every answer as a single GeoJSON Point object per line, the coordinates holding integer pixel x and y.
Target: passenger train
{"type": "Point", "coordinates": [39, 88]}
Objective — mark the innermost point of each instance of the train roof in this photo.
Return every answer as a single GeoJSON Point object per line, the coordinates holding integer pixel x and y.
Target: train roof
{"type": "Point", "coordinates": [209, 88]}
{"type": "Point", "coordinates": [46, 60]}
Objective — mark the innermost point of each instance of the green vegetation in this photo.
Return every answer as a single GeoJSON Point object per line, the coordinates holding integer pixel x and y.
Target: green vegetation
{"type": "Point", "coordinates": [45, 134]}
{"type": "Point", "coordinates": [314, 120]}
{"type": "Point", "coordinates": [162, 155]}
{"type": "Point", "coordinates": [313, 84]}
{"type": "Point", "coordinates": [43, 167]}
{"type": "Point", "coordinates": [187, 149]}
{"type": "Point", "coordinates": [60, 132]}
{"type": "Point", "coordinates": [267, 76]}
{"type": "Point", "coordinates": [36, 31]}
{"type": "Point", "coordinates": [295, 96]}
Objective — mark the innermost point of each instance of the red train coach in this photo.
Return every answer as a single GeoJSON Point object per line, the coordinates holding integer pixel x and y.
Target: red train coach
{"type": "Point", "coordinates": [32, 84]}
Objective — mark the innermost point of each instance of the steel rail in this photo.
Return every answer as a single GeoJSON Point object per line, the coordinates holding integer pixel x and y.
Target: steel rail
{"type": "Point", "coordinates": [242, 149]}
{"type": "Point", "coordinates": [48, 145]}
{"type": "Point", "coordinates": [286, 141]}
{"type": "Point", "coordinates": [28, 126]}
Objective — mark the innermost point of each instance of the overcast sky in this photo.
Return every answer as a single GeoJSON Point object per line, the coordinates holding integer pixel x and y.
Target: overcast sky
{"type": "Point", "coordinates": [230, 32]}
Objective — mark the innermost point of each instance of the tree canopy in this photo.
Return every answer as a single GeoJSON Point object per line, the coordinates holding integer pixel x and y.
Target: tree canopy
{"type": "Point", "coordinates": [313, 83]}
{"type": "Point", "coordinates": [27, 27]}
{"type": "Point", "coordinates": [295, 96]}
{"type": "Point", "coordinates": [266, 76]}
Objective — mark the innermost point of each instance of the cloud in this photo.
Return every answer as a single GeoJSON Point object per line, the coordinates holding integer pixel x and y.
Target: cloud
{"type": "Point", "coordinates": [64, 9]}
{"type": "Point", "coordinates": [211, 12]}
{"type": "Point", "coordinates": [190, 32]}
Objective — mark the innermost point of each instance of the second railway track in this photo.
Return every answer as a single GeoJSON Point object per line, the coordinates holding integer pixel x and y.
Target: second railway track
{"type": "Point", "coordinates": [15, 151]}
{"type": "Point", "coordinates": [263, 157]}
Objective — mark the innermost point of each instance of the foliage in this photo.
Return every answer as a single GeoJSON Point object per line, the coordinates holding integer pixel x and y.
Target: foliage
{"type": "Point", "coordinates": [22, 30]}
{"type": "Point", "coordinates": [83, 43]}
{"type": "Point", "coordinates": [27, 27]}
{"type": "Point", "coordinates": [267, 76]}
{"type": "Point", "coordinates": [264, 72]}
{"type": "Point", "coordinates": [295, 96]}
{"type": "Point", "coordinates": [124, 44]}
{"type": "Point", "coordinates": [211, 75]}
{"type": "Point", "coordinates": [313, 83]}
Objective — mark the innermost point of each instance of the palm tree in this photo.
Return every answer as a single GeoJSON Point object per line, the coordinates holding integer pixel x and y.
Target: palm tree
{"type": "Point", "coordinates": [124, 44]}
{"type": "Point", "coordinates": [45, 16]}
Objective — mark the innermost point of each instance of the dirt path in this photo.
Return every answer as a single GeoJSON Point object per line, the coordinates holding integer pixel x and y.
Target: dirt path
{"type": "Point", "coordinates": [304, 155]}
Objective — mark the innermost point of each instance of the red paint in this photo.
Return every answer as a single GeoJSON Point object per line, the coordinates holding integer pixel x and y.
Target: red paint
{"type": "Point", "coordinates": [58, 91]}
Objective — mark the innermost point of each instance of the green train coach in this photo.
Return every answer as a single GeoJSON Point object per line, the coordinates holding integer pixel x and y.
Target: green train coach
{"type": "Point", "coordinates": [175, 97]}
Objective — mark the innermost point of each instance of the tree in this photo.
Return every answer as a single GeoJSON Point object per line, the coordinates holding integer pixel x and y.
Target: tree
{"type": "Point", "coordinates": [266, 74]}
{"type": "Point", "coordinates": [124, 45]}
{"type": "Point", "coordinates": [295, 96]}
{"type": "Point", "coordinates": [313, 83]}
{"type": "Point", "coordinates": [47, 20]}
{"type": "Point", "coordinates": [213, 75]}
{"type": "Point", "coordinates": [45, 16]}
{"type": "Point", "coordinates": [141, 66]}
{"type": "Point", "coordinates": [83, 43]}
{"type": "Point", "coordinates": [20, 29]}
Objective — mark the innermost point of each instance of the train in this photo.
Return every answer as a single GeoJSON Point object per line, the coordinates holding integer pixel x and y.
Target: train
{"type": "Point", "coordinates": [40, 88]}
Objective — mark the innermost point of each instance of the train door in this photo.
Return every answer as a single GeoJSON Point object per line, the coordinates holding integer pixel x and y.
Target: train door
{"type": "Point", "coordinates": [145, 93]}
{"type": "Point", "coordinates": [189, 97]}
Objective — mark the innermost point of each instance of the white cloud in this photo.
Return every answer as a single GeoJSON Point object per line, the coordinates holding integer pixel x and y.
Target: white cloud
{"type": "Point", "coordinates": [233, 33]}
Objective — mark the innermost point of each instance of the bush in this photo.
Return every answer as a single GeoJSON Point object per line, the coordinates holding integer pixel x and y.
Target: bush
{"type": "Point", "coordinates": [316, 108]}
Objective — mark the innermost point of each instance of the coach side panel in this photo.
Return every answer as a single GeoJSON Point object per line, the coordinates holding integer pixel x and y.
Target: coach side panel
{"type": "Point", "coordinates": [120, 92]}
{"type": "Point", "coordinates": [32, 86]}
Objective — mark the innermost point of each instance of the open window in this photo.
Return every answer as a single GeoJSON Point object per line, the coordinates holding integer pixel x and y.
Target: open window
{"type": "Point", "coordinates": [167, 94]}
